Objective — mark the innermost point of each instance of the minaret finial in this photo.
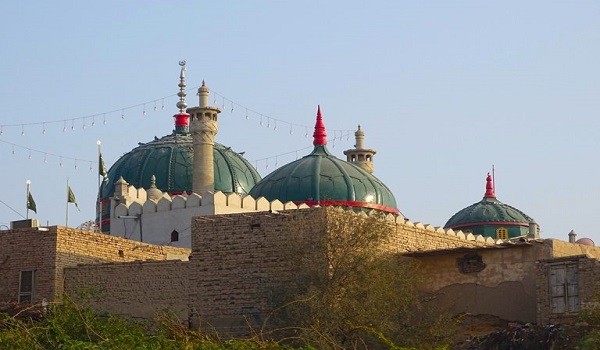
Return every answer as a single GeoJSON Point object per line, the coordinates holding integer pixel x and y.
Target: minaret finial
{"type": "Point", "coordinates": [182, 119]}
{"type": "Point", "coordinates": [182, 105]}
{"type": "Point", "coordinates": [320, 134]}
{"type": "Point", "coordinates": [489, 187]}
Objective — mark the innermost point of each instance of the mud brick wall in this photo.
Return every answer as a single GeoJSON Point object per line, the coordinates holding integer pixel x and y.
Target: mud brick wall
{"type": "Point", "coordinates": [139, 289]}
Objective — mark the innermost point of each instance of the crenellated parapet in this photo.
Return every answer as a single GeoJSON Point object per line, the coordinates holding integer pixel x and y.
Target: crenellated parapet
{"type": "Point", "coordinates": [218, 202]}
{"type": "Point", "coordinates": [423, 237]}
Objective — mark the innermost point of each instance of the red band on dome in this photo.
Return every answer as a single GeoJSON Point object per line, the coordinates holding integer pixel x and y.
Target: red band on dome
{"type": "Point", "coordinates": [495, 223]}
{"type": "Point", "coordinates": [326, 203]}
{"type": "Point", "coordinates": [182, 119]}
{"type": "Point", "coordinates": [320, 135]}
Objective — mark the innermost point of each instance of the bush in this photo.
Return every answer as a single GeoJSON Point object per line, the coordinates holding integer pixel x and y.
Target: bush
{"type": "Point", "coordinates": [68, 326]}
{"type": "Point", "coordinates": [350, 293]}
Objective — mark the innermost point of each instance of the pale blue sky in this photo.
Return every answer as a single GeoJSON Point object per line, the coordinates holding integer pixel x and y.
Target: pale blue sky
{"type": "Point", "coordinates": [443, 90]}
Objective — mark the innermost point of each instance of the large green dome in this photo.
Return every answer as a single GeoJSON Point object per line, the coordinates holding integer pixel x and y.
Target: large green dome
{"type": "Point", "coordinates": [322, 179]}
{"type": "Point", "coordinates": [491, 218]}
{"type": "Point", "coordinates": [170, 160]}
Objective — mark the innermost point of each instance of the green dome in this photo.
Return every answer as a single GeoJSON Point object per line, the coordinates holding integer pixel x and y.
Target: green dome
{"type": "Point", "coordinates": [322, 179]}
{"type": "Point", "coordinates": [170, 160]}
{"type": "Point", "coordinates": [488, 215]}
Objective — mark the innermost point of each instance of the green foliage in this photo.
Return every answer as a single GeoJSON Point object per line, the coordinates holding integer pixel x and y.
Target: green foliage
{"type": "Point", "coordinates": [591, 316]}
{"type": "Point", "coordinates": [351, 293]}
{"type": "Point", "coordinates": [68, 326]}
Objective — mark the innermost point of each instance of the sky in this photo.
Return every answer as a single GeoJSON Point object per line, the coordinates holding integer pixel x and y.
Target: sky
{"type": "Point", "coordinates": [442, 89]}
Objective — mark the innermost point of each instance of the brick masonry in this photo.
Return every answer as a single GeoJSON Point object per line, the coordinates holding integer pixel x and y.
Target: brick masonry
{"type": "Point", "coordinates": [238, 260]}
{"type": "Point", "coordinates": [141, 289]}
{"type": "Point", "coordinates": [47, 251]}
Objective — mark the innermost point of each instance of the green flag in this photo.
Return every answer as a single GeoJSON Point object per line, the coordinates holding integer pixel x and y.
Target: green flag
{"type": "Point", "coordinates": [71, 197]}
{"type": "Point", "coordinates": [102, 167]}
{"type": "Point", "coordinates": [31, 202]}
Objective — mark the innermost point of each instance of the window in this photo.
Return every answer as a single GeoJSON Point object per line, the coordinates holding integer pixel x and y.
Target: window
{"type": "Point", "coordinates": [174, 236]}
{"type": "Point", "coordinates": [501, 233]}
{"type": "Point", "coordinates": [26, 281]}
{"type": "Point", "coordinates": [564, 287]}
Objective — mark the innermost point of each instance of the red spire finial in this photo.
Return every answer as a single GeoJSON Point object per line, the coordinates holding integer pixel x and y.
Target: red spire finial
{"type": "Point", "coordinates": [489, 187]}
{"type": "Point", "coordinates": [320, 135]}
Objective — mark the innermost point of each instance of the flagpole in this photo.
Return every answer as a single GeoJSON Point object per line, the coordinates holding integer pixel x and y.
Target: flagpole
{"type": "Point", "coordinates": [99, 194]}
{"type": "Point", "coordinates": [67, 209]}
{"type": "Point", "coordinates": [28, 182]}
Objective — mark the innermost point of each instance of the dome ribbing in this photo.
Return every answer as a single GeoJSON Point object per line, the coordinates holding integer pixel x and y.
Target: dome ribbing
{"type": "Point", "coordinates": [322, 179]}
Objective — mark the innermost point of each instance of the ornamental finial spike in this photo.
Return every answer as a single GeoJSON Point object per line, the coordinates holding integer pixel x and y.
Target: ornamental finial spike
{"type": "Point", "coordinates": [181, 104]}
{"type": "Point", "coordinates": [489, 187]}
{"type": "Point", "coordinates": [320, 134]}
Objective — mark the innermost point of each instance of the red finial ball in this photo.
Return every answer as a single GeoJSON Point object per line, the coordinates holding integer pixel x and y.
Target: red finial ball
{"type": "Point", "coordinates": [320, 135]}
{"type": "Point", "coordinates": [489, 187]}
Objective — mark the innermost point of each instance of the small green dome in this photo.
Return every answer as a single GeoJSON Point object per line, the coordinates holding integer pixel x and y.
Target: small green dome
{"type": "Point", "coordinates": [322, 179]}
{"type": "Point", "coordinates": [488, 215]}
{"type": "Point", "coordinates": [170, 160]}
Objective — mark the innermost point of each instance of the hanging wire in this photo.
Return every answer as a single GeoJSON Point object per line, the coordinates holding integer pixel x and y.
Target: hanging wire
{"type": "Point", "coordinates": [280, 155]}
{"type": "Point", "coordinates": [276, 121]}
{"type": "Point", "coordinates": [46, 154]}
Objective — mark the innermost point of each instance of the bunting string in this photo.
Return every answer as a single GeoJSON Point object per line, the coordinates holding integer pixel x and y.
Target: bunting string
{"type": "Point", "coordinates": [47, 155]}
{"type": "Point", "coordinates": [92, 120]}
{"type": "Point", "coordinates": [87, 120]}
{"type": "Point", "coordinates": [265, 120]}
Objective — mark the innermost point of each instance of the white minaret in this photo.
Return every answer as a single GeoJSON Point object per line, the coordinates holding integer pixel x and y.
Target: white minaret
{"type": "Point", "coordinates": [360, 155]}
{"type": "Point", "coordinates": [204, 127]}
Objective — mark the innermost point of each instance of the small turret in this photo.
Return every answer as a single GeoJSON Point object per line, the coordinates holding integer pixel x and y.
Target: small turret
{"type": "Point", "coordinates": [154, 193]}
{"type": "Point", "coordinates": [360, 155]}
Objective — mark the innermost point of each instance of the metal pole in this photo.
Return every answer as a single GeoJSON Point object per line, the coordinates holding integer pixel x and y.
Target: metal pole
{"type": "Point", "coordinates": [99, 194]}
{"type": "Point", "coordinates": [141, 237]}
{"type": "Point", "coordinates": [67, 209]}
{"type": "Point", "coordinates": [28, 182]}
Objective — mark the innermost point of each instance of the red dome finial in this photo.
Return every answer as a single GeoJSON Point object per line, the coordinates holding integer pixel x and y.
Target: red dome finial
{"type": "Point", "coordinates": [489, 187]}
{"type": "Point", "coordinates": [320, 135]}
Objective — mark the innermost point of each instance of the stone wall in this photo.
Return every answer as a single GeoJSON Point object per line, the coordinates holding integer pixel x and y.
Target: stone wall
{"type": "Point", "coordinates": [562, 249]}
{"type": "Point", "coordinates": [47, 251]}
{"type": "Point", "coordinates": [75, 247]}
{"type": "Point", "coordinates": [140, 289]}
{"type": "Point", "coordinates": [238, 260]}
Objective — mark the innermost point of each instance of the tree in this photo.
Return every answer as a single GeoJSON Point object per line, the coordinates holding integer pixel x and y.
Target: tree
{"type": "Point", "coordinates": [351, 291]}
